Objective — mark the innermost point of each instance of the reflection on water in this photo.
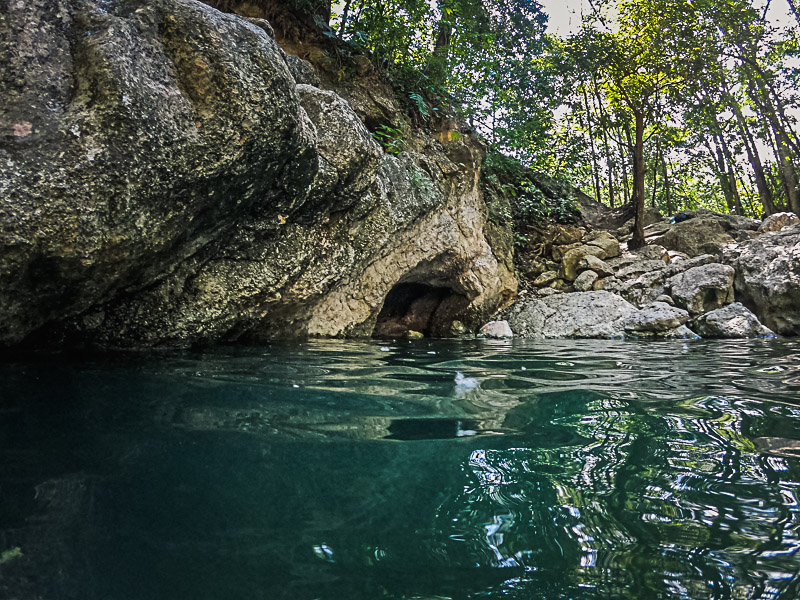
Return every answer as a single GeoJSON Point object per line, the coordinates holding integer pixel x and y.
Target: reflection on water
{"type": "Point", "coordinates": [432, 470]}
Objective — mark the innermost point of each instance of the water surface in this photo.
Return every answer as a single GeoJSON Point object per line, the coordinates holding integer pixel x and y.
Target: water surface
{"type": "Point", "coordinates": [344, 470]}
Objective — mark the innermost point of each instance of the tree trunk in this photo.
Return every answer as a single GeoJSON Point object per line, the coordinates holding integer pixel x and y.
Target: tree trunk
{"type": "Point", "coordinates": [444, 33]}
{"type": "Point", "coordinates": [595, 169]}
{"type": "Point", "coordinates": [655, 172]}
{"type": "Point", "coordinates": [637, 241]}
{"type": "Point", "coordinates": [667, 191]}
{"type": "Point", "coordinates": [604, 121]}
{"type": "Point", "coordinates": [737, 198]}
{"type": "Point", "coordinates": [795, 12]}
{"type": "Point", "coordinates": [783, 145]}
{"type": "Point", "coordinates": [764, 193]}
{"type": "Point", "coordinates": [719, 169]}
{"type": "Point", "coordinates": [625, 188]}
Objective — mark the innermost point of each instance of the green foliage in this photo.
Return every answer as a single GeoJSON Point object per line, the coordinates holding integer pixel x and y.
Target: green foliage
{"type": "Point", "coordinates": [391, 139]}
{"type": "Point", "coordinates": [422, 106]}
{"type": "Point", "coordinates": [420, 180]}
{"type": "Point", "coordinates": [703, 97]}
{"type": "Point", "coordinates": [473, 57]}
{"type": "Point", "coordinates": [531, 198]}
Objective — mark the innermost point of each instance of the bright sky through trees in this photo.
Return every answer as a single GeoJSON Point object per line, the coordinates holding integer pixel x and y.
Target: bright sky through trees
{"type": "Point", "coordinates": [674, 103]}
{"type": "Point", "coordinates": [565, 15]}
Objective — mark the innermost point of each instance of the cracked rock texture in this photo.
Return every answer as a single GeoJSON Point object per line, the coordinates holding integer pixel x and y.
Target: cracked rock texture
{"type": "Point", "coordinates": [598, 314]}
{"type": "Point", "coordinates": [732, 321]}
{"type": "Point", "coordinates": [768, 278]}
{"type": "Point", "coordinates": [164, 180]}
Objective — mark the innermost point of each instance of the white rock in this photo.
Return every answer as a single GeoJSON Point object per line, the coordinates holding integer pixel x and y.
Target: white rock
{"type": "Point", "coordinates": [497, 330]}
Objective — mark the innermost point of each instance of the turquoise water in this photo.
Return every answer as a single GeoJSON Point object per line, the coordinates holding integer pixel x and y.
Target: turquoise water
{"type": "Point", "coordinates": [339, 470]}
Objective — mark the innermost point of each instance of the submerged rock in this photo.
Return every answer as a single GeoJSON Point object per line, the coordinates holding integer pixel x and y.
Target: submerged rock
{"type": "Point", "coordinates": [732, 321]}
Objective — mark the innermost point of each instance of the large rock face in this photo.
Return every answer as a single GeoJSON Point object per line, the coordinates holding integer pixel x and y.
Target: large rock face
{"type": "Point", "coordinates": [166, 181]}
{"type": "Point", "coordinates": [768, 278]}
{"type": "Point", "coordinates": [133, 135]}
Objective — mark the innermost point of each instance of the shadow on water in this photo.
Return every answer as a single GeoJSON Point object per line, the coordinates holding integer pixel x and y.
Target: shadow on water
{"type": "Point", "coordinates": [419, 470]}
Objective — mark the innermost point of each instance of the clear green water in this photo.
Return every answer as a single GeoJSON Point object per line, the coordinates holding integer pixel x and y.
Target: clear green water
{"type": "Point", "coordinates": [338, 470]}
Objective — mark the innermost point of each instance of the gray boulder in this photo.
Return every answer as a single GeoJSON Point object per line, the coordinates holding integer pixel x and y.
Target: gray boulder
{"type": "Point", "coordinates": [545, 279]}
{"type": "Point", "coordinates": [349, 155]}
{"type": "Point", "coordinates": [652, 252]}
{"type": "Point", "coordinates": [639, 267]}
{"type": "Point", "coordinates": [574, 315]}
{"type": "Point", "coordinates": [707, 234]}
{"type": "Point", "coordinates": [302, 70]}
{"type": "Point", "coordinates": [732, 321]}
{"type": "Point", "coordinates": [606, 241]}
{"type": "Point", "coordinates": [585, 281]}
{"type": "Point", "coordinates": [497, 330]}
{"type": "Point", "coordinates": [704, 288]}
{"type": "Point", "coordinates": [644, 289]}
{"type": "Point", "coordinates": [657, 318]}
{"type": "Point", "coordinates": [597, 314]}
{"type": "Point", "coordinates": [595, 264]}
{"type": "Point", "coordinates": [768, 278]}
{"type": "Point", "coordinates": [569, 263]}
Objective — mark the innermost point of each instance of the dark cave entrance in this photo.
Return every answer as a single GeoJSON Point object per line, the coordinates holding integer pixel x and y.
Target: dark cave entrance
{"type": "Point", "coordinates": [427, 309]}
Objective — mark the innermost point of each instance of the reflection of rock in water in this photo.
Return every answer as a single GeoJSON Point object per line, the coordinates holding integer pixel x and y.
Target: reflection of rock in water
{"type": "Point", "coordinates": [53, 541]}
{"type": "Point", "coordinates": [780, 446]}
{"type": "Point", "coordinates": [436, 429]}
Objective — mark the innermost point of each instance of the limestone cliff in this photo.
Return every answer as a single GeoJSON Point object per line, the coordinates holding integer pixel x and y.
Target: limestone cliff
{"type": "Point", "coordinates": [169, 176]}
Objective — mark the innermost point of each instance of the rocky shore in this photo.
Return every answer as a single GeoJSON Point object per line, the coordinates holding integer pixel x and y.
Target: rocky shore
{"type": "Point", "coordinates": [710, 275]}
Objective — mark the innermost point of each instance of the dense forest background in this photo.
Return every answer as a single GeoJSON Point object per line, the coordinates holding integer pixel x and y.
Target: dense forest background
{"type": "Point", "coordinates": [674, 104]}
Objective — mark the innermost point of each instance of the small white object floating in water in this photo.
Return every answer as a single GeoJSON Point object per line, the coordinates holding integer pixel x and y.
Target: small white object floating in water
{"type": "Point", "coordinates": [465, 384]}
{"type": "Point", "coordinates": [384, 348]}
{"type": "Point", "coordinates": [431, 352]}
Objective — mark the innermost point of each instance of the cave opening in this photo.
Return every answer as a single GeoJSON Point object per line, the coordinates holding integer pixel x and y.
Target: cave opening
{"type": "Point", "coordinates": [427, 309]}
